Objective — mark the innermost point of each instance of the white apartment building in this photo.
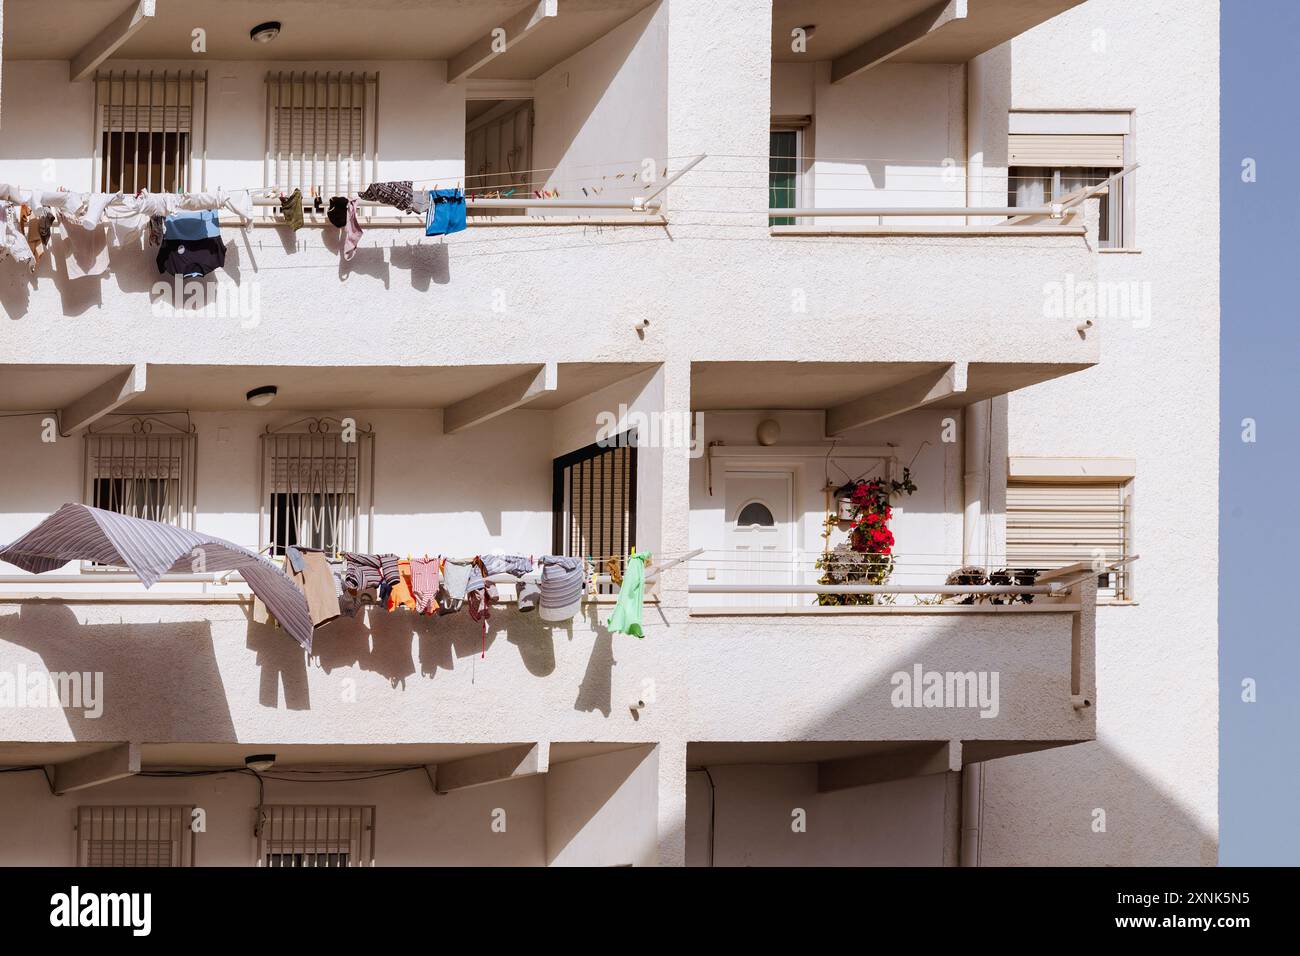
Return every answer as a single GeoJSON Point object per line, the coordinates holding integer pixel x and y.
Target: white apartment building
{"type": "Point", "coordinates": [985, 271]}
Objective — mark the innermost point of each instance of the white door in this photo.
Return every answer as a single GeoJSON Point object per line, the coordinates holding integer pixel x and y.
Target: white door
{"type": "Point", "coordinates": [759, 534]}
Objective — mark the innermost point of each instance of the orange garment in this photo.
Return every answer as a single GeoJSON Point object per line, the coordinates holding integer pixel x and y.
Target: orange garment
{"type": "Point", "coordinates": [401, 595]}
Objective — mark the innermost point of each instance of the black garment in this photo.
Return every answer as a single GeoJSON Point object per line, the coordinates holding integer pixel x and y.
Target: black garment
{"type": "Point", "coordinates": [191, 258]}
{"type": "Point", "coordinates": [338, 214]}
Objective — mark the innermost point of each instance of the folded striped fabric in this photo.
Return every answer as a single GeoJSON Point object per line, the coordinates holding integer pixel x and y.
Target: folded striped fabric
{"type": "Point", "coordinates": [363, 571]}
{"type": "Point", "coordinates": [516, 564]}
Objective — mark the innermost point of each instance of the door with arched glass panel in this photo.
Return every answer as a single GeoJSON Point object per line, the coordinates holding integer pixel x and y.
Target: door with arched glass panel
{"type": "Point", "coordinates": [759, 534]}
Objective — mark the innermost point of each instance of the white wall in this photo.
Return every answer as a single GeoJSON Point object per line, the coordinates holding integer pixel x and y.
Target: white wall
{"type": "Point", "coordinates": [602, 810]}
{"type": "Point", "coordinates": [899, 823]}
{"type": "Point", "coordinates": [1154, 398]}
{"type": "Point", "coordinates": [601, 112]}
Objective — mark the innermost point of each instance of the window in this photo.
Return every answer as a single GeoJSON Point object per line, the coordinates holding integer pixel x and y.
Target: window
{"type": "Point", "coordinates": [755, 514]}
{"type": "Point", "coordinates": [321, 131]}
{"type": "Point", "coordinates": [318, 480]}
{"type": "Point", "coordinates": [142, 467]}
{"type": "Point", "coordinates": [319, 836]}
{"type": "Point", "coordinates": [146, 135]}
{"type": "Point", "coordinates": [1054, 523]}
{"type": "Point", "coordinates": [135, 836]}
{"type": "Point", "coordinates": [1043, 185]}
{"type": "Point", "coordinates": [1055, 155]}
{"type": "Point", "coordinates": [594, 500]}
{"type": "Point", "coordinates": [783, 173]}
{"type": "Point", "coordinates": [499, 150]}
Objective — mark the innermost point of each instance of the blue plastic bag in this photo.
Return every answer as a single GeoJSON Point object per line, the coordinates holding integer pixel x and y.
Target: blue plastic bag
{"type": "Point", "coordinates": [446, 213]}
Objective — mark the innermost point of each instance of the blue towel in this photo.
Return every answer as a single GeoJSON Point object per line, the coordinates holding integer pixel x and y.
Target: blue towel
{"type": "Point", "coordinates": [192, 225]}
{"type": "Point", "coordinates": [446, 213]}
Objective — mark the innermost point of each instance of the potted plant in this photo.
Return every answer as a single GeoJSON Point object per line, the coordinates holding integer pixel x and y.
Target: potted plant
{"type": "Point", "coordinates": [868, 556]}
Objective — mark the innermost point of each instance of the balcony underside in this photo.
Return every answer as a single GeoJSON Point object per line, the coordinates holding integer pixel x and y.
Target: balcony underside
{"type": "Point", "coordinates": [449, 30]}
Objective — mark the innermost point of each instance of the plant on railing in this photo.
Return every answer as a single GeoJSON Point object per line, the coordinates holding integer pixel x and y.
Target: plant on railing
{"type": "Point", "coordinates": [868, 556]}
{"type": "Point", "coordinates": [972, 574]}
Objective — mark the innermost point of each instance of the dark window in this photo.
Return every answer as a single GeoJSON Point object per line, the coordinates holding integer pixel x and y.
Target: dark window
{"type": "Point", "coordinates": [756, 513]}
{"type": "Point", "coordinates": [783, 173]}
{"type": "Point", "coordinates": [593, 500]}
{"type": "Point", "coordinates": [138, 160]}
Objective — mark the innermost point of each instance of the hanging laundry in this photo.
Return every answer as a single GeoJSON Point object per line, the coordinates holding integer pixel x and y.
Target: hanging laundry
{"type": "Point", "coordinates": [13, 234]}
{"type": "Point", "coordinates": [92, 208]}
{"type": "Point", "coordinates": [528, 595]}
{"type": "Point", "coordinates": [561, 586]}
{"type": "Point", "coordinates": [238, 201]}
{"type": "Point", "coordinates": [343, 213]}
{"type": "Point", "coordinates": [401, 594]}
{"type": "Point", "coordinates": [362, 572]}
{"type": "Point", "coordinates": [614, 570]}
{"type": "Point", "coordinates": [184, 226]}
{"type": "Point", "coordinates": [311, 572]}
{"type": "Point", "coordinates": [424, 585]}
{"type": "Point", "coordinates": [446, 212]}
{"type": "Point", "coordinates": [516, 564]}
{"type": "Point", "coordinates": [626, 618]}
{"type": "Point", "coordinates": [456, 578]}
{"type": "Point", "coordinates": [129, 217]}
{"type": "Point", "coordinates": [157, 230]}
{"type": "Point", "coordinates": [151, 549]}
{"type": "Point", "coordinates": [191, 258]}
{"type": "Point", "coordinates": [390, 576]}
{"type": "Point", "coordinates": [84, 249]}
{"type": "Point", "coordinates": [338, 211]}
{"type": "Point", "coordinates": [399, 195]}
{"type": "Point", "coordinates": [291, 209]}
{"type": "Point", "coordinates": [38, 232]}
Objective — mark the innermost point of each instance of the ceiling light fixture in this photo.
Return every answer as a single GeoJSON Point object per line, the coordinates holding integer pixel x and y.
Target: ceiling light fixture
{"type": "Point", "coordinates": [262, 395]}
{"type": "Point", "coordinates": [265, 32]}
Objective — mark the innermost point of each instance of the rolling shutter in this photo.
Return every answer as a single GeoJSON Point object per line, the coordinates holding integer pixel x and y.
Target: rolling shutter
{"type": "Point", "coordinates": [1066, 149]}
{"type": "Point", "coordinates": [1052, 525]}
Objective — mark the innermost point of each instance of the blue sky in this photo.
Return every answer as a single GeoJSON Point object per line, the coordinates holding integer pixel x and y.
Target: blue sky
{"type": "Point", "coordinates": [1259, 492]}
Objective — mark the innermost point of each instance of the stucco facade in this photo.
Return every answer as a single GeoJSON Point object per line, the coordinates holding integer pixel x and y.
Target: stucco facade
{"type": "Point", "coordinates": [874, 342]}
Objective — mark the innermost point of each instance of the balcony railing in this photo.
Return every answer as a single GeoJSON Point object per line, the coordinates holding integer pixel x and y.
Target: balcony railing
{"type": "Point", "coordinates": [927, 199]}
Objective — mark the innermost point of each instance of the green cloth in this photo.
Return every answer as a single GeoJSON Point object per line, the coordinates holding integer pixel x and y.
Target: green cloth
{"type": "Point", "coordinates": [626, 618]}
{"type": "Point", "coordinates": [291, 210]}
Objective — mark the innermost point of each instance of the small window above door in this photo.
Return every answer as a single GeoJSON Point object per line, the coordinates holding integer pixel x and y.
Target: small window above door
{"type": "Point", "coordinates": [755, 514]}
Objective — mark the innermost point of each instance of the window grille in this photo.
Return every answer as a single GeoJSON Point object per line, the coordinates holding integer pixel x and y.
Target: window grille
{"type": "Point", "coordinates": [321, 131]}
{"type": "Point", "coordinates": [135, 836]}
{"type": "Point", "coordinates": [594, 500]}
{"type": "Point", "coordinates": [320, 836]}
{"type": "Point", "coordinates": [317, 482]}
{"type": "Point", "coordinates": [1050, 525]}
{"type": "Point", "coordinates": [142, 467]}
{"type": "Point", "coordinates": [146, 136]}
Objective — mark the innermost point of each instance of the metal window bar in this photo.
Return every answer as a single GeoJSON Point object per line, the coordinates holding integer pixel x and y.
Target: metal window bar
{"type": "Point", "coordinates": [135, 836]}
{"type": "Point", "coordinates": [142, 467]}
{"type": "Point", "coordinates": [316, 836]}
{"type": "Point", "coordinates": [145, 130]}
{"type": "Point", "coordinates": [315, 486]}
{"type": "Point", "coordinates": [321, 129]}
{"type": "Point", "coordinates": [594, 501]}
